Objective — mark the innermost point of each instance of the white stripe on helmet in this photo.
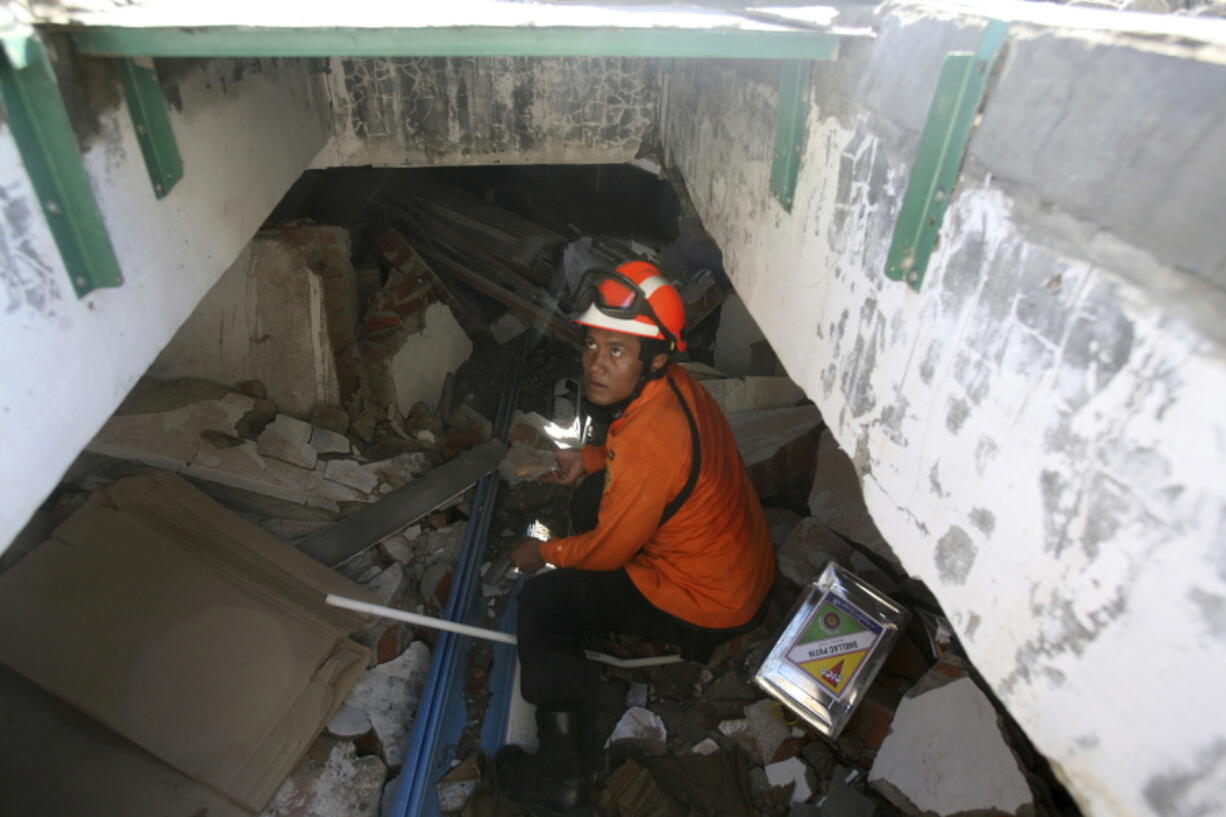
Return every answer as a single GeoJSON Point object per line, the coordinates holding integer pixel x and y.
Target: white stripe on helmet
{"type": "Point", "coordinates": [651, 284]}
{"type": "Point", "coordinates": [594, 317]}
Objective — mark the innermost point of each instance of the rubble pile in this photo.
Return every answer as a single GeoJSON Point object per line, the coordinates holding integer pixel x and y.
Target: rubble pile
{"type": "Point", "coordinates": [418, 328]}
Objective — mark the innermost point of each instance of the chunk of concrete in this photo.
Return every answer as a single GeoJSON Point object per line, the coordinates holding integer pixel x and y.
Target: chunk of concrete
{"type": "Point", "coordinates": [389, 694]}
{"type": "Point", "coordinates": [837, 499]}
{"type": "Point", "coordinates": [946, 754]}
{"type": "Point", "coordinates": [400, 469]}
{"type": "Point", "coordinates": [346, 784]}
{"type": "Point", "coordinates": [325, 441]}
{"type": "Point", "coordinates": [765, 730]}
{"type": "Point", "coordinates": [289, 440]}
{"type": "Point", "coordinates": [348, 723]}
{"type": "Point", "coordinates": [737, 394]}
{"type": "Point", "coordinates": [421, 365]}
{"type": "Point", "coordinates": [782, 522]}
{"type": "Point", "coordinates": [776, 444]}
{"type": "Point", "coordinates": [265, 319]}
{"type": "Point", "coordinates": [794, 772]}
{"type": "Point", "coordinates": [352, 474]}
{"type": "Point", "coordinates": [841, 800]}
{"type": "Point", "coordinates": [401, 546]}
{"type": "Point", "coordinates": [642, 729]}
{"type": "Point", "coordinates": [810, 545]}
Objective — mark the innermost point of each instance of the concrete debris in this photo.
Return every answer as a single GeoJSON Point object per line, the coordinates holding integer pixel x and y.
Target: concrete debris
{"type": "Point", "coordinates": [776, 444]}
{"type": "Point", "coordinates": [638, 695]}
{"type": "Point", "coordinates": [346, 784]}
{"type": "Point", "coordinates": [740, 394]}
{"type": "Point", "coordinates": [403, 546]}
{"type": "Point", "coordinates": [735, 339]}
{"type": "Point", "coordinates": [506, 328]}
{"type": "Point", "coordinates": [946, 754]}
{"type": "Point", "coordinates": [289, 440]}
{"type": "Point", "coordinates": [268, 318]}
{"type": "Point", "coordinates": [458, 785]}
{"type": "Point", "coordinates": [330, 418]}
{"type": "Point", "coordinates": [399, 470]}
{"type": "Point", "coordinates": [388, 801]}
{"type": "Point", "coordinates": [291, 530]}
{"type": "Point", "coordinates": [348, 723]}
{"type": "Point", "coordinates": [706, 746]}
{"type": "Point", "coordinates": [389, 694]}
{"type": "Point", "coordinates": [837, 499]}
{"type": "Point", "coordinates": [795, 773]}
{"type": "Point", "coordinates": [765, 730]}
{"type": "Point", "coordinates": [350, 473]}
{"type": "Point", "coordinates": [642, 729]}
{"type": "Point", "coordinates": [807, 550]}
{"type": "Point", "coordinates": [172, 440]}
{"type": "Point", "coordinates": [782, 522]}
{"type": "Point", "coordinates": [325, 441]}
{"type": "Point", "coordinates": [425, 358]}
{"type": "Point", "coordinates": [388, 584]}
{"type": "Point", "coordinates": [841, 800]}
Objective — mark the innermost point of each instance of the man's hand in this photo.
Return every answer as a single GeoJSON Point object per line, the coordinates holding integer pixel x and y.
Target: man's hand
{"type": "Point", "coordinates": [527, 555]}
{"type": "Point", "coordinates": [570, 467]}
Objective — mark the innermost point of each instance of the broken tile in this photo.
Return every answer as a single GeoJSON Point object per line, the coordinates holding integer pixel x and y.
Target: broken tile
{"type": "Point", "coordinates": [642, 729]}
{"type": "Point", "coordinates": [706, 746]}
{"type": "Point", "coordinates": [638, 695]}
{"type": "Point", "coordinates": [325, 441]}
{"type": "Point", "coordinates": [288, 440]}
{"type": "Point", "coordinates": [400, 547]}
{"type": "Point", "coordinates": [331, 418]}
{"type": "Point", "coordinates": [389, 694]}
{"type": "Point", "coordinates": [795, 773]}
{"type": "Point", "coordinates": [946, 754]}
{"type": "Point", "coordinates": [351, 474]}
{"type": "Point", "coordinates": [346, 784]}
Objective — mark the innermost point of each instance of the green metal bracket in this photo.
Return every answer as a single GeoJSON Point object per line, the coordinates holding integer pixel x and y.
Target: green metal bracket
{"type": "Point", "coordinates": [152, 123]}
{"type": "Point", "coordinates": [942, 146]}
{"type": "Point", "coordinates": [789, 130]}
{"type": "Point", "coordinates": [40, 127]}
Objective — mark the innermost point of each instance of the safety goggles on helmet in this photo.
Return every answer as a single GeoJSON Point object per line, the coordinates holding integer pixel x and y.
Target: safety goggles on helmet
{"type": "Point", "coordinates": [622, 303]}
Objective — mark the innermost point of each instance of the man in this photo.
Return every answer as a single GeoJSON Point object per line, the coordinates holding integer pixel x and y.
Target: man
{"type": "Point", "coordinates": [679, 551]}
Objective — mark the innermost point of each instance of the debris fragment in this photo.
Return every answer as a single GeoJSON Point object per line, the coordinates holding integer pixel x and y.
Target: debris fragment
{"type": "Point", "coordinates": [946, 754]}
{"type": "Point", "coordinates": [389, 694]}
{"type": "Point", "coordinates": [795, 773]}
{"type": "Point", "coordinates": [346, 784]}
{"type": "Point", "coordinates": [642, 729]}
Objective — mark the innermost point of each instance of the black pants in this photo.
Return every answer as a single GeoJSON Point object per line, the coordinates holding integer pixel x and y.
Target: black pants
{"type": "Point", "coordinates": [560, 607]}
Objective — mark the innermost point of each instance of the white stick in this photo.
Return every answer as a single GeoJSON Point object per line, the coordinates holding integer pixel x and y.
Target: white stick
{"type": "Point", "coordinates": [481, 632]}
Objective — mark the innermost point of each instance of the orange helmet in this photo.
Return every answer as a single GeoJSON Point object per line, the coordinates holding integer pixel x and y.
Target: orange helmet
{"type": "Point", "coordinates": [634, 299]}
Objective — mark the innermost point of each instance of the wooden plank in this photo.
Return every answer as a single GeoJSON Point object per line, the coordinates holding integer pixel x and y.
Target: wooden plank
{"type": "Point", "coordinates": [355, 533]}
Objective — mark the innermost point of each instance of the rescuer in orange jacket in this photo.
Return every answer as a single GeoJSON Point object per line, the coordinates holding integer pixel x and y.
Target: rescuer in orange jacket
{"type": "Point", "coordinates": [679, 550]}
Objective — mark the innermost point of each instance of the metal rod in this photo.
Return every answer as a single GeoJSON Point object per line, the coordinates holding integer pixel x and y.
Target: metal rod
{"type": "Point", "coordinates": [482, 632]}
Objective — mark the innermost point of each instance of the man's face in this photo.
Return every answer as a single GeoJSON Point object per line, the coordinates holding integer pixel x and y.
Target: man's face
{"type": "Point", "coordinates": [611, 365]}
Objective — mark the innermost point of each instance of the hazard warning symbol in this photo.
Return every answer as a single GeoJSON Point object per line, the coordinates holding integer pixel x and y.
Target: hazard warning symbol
{"type": "Point", "coordinates": [834, 643]}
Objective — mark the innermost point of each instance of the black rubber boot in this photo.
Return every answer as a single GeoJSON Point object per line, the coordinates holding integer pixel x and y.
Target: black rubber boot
{"type": "Point", "coordinates": [554, 781]}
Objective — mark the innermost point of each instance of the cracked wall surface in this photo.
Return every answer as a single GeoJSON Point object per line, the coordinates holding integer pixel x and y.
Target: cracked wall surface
{"type": "Point", "coordinates": [423, 111]}
{"type": "Point", "coordinates": [68, 362]}
{"type": "Point", "coordinates": [1038, 430]}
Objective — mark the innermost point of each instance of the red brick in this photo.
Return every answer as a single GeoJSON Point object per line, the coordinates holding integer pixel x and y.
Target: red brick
{"type": "Point", "coordinates": [388, 646]}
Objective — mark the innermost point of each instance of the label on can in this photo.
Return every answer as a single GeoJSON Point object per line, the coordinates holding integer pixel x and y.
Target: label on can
{"type": "Point", "coordinates": [834, 643]}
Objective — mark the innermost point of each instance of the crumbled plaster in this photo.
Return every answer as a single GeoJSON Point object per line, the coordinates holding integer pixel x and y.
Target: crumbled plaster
{"type": "Point", "coordinates": [419, 111]}
{"type": "Point", "coordinates": [1036, 426]}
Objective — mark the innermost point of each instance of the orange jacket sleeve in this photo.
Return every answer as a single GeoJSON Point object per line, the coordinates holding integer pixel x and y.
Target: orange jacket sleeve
{"type": "Point", "coordinates": [630, 511]}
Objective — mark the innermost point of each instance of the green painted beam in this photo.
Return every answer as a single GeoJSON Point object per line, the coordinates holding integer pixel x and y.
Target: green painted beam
{"type": "Point", "coordinates": [789, 130]}
{"type": "Point", "coordinates": [39, 124]}
{"type": "Point", "coordinates": [152, 123]}
{"type": "Point", "coordinates": [942, 147]}
{"type": "Point", "coordinates": [476, 41]}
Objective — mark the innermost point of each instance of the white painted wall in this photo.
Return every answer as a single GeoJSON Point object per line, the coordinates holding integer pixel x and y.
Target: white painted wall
{"type": "Point", "coordinates": [65, 364]}
{"type": "Point", "coordinates": [1039, 429]}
